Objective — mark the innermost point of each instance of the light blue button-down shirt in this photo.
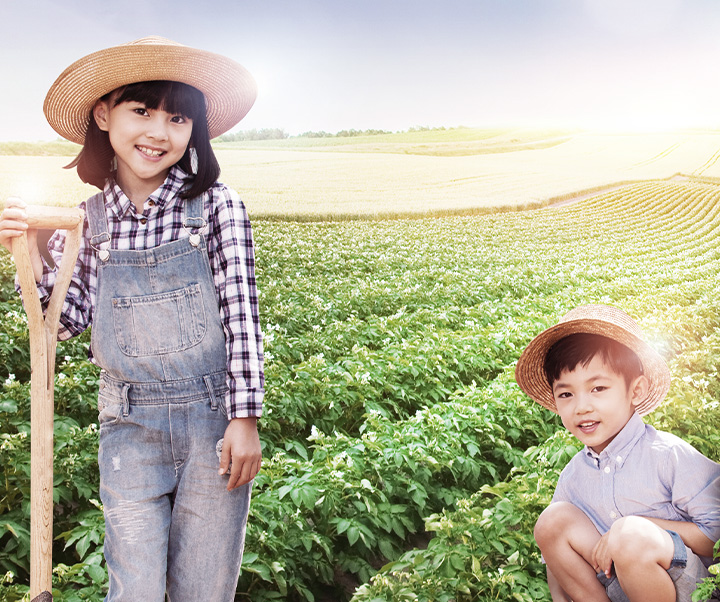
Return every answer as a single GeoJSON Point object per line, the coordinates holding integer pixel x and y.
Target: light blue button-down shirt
{"type": "Point", "coordinates": [644, 472]}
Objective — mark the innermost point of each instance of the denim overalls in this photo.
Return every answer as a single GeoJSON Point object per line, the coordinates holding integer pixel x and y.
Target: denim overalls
{"type": "Point", "coordinates": [171, 525]}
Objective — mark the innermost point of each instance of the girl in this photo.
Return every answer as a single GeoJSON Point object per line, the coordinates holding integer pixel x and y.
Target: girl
{"type": "Point", "coordinates": [165, 276]}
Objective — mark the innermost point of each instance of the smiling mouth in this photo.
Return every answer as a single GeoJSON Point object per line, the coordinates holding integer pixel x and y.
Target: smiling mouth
{"type": "Point", "coordinates": [150, 152]}
{"type": "Point", "coordinates": [588, 427]}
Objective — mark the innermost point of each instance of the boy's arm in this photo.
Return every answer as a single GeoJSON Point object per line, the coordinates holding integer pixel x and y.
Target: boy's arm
{"type": "Point", "coordinates": [556, 592]}
{"type": "Point", "coordinates": [690, 533]}
{"type": "Point", "coordinates": [694, 482]}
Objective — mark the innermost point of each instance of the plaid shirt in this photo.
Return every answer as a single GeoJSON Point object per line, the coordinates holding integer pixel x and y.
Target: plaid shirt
{"type": "Point", "coordinates": [230, 250]}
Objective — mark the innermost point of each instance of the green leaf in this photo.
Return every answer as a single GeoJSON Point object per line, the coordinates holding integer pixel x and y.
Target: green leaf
{"type": "Point", "coordinates": [97, 573]}
{"type": "Point", "coordinates": [386, 548]}
{"type": "Point", "coordinates": [353, 533]}
{"type": "Point", "coordinates": [342, 525]}
{"type": "Point", "coordinates": [284, 490]}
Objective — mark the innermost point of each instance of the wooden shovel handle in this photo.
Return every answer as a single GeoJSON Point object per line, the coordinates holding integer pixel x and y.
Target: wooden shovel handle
{"type": "Point", "coordinates": [53, 218]}
{"type": "Point", "coordinates": [43, 341]}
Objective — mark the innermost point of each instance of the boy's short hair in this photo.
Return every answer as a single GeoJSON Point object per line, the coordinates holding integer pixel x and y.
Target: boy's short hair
{"type": "Point", "coordinates": [581, 348]}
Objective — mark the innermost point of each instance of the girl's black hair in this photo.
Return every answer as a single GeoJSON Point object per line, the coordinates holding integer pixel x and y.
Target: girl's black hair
{"type": "Point", "coordinates": [94, 162]}
{"type": "Point", "coordinates": [581, 348]}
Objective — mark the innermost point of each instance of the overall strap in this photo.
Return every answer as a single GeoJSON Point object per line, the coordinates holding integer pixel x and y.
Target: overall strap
{"type": "Point", "coordinates": [97, 221]}
{"type": "Point", "coordinates": [194, 221]}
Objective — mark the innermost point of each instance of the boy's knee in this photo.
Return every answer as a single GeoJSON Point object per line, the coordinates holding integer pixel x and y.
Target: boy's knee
{"type": "Point", "coordinates": [634, 539]}
{"type": "Point", "coordinates": [554, 520]}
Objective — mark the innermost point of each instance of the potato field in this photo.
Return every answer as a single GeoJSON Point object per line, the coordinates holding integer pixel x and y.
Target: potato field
{"type": "Point", "coordinates": [402, 462]}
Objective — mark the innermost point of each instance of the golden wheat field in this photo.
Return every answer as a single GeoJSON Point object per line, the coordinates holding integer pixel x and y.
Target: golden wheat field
{"type": "Point", "coordinates": [386, 176]}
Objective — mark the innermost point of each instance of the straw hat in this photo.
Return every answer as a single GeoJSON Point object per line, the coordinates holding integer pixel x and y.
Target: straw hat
{"type": "Point", "coordinates": [604, 320]}
{"type": "Point", "coordinates": [228, 87]}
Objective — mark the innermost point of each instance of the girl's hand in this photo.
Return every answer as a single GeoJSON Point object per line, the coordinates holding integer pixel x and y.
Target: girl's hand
{"type": "Point", "coordinates": [242, 445]}
{"type": "Point", "coordinates": [13, 223]}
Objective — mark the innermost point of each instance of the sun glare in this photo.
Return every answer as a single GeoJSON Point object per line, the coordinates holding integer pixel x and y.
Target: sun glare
{"type": "Point", "coordinates": [636, 17]}
{"type": "Point", "coordinates": [33, 191]}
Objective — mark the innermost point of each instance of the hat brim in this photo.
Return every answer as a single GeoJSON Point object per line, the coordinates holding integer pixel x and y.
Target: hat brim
{"type": "Point", "coordinates": [229, 88]}
{"type": "Point", "coordinates": [530, 372]}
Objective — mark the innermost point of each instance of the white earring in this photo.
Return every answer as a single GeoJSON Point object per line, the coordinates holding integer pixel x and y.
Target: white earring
{"type": "Point", "coordinates": [113, 163]}
{"type": "Point", "coordinates": [193, 160]}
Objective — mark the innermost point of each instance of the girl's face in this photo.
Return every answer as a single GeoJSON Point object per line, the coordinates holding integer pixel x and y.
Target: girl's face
{"type": "Point", "coordinates": [147, 143]}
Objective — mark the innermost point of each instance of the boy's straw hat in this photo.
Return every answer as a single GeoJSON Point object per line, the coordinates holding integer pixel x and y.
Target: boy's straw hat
{"type": "Point", "coordinates": [228, 87]}
{"type": "Point", "coordinates": [604, 320]}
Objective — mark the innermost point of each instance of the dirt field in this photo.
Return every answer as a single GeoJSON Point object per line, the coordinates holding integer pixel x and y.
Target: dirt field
{"type": "Point", "coordinates": [391, 178]}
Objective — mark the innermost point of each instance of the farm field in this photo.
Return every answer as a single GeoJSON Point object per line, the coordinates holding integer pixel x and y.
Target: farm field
{"type": "Point", "coordinates": [402, 462]}
{"type": "Point", "coordinates": [420, 322]}
{"type": "Point", "coordinates": [355, 182]}
{"type": "Point", "coordinates": [426, 173]}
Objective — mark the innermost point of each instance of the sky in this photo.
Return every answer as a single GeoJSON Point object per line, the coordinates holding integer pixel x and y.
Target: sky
{"type": "Point", "coordinates": [395, 64]}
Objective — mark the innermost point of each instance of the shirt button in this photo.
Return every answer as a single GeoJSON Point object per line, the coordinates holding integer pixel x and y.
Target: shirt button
{"type": "Point", "coordinates": [607, 469]}
{"type": "Point", "coordinates": [151, 203]}
{"type": "Point", "coordinates": [613, 515]}
{"type": "Point", "coordinates": [619, 459]}
{"type": "Point", "coordinates": [143, 221]}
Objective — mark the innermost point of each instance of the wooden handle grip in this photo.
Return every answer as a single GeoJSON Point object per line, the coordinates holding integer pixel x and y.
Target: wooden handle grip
{"type": "Point", "coordinates": [53, 218]}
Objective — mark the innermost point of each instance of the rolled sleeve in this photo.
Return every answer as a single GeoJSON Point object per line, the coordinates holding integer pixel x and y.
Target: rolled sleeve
{"type": "Point", "coordinates": [696, 488]}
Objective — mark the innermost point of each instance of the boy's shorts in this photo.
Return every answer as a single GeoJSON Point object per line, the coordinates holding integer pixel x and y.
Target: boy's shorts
{"type": "Point", "coordinates": [686, 570]}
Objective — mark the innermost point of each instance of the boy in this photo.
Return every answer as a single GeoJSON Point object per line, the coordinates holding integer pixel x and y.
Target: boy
{"type": "Point", "coordinates": [635, 514]}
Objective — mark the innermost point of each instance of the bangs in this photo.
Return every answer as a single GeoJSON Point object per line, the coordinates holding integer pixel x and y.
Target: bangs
{"type": "Point", "coordinates": [175, 98]}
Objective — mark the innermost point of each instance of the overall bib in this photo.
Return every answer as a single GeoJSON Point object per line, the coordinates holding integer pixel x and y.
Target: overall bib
{"type": "Point", "coordinates": [172, 528]}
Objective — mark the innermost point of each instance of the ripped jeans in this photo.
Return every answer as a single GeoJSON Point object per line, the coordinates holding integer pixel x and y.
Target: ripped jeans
{"type": "Point", "coordinates": [172, 528]}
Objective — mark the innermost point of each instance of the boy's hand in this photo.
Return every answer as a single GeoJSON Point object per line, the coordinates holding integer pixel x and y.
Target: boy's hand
{"type": "Point", "coordinates": [242, 446]}
{"type": "Point", "coordinates": [602, 561]}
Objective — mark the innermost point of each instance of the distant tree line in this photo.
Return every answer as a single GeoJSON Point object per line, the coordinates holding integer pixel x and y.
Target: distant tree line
{"type": "Point", "coordinates": [343, 134]}
{"type": "Point", "coordinates": [280, 134]}
{"type": "Point", "coordinates": [350, 133]}
{"type": "Point", "coordinates": [262, 134]}
{"type": "Point", "coordinates": [424, 128]}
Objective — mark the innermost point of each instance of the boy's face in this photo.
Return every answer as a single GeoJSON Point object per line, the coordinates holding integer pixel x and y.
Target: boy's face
{"type": "Point", "coordinates": [595, 403]}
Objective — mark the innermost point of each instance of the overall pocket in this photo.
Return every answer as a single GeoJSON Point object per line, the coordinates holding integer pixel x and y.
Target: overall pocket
{"type": "Point", "coordinates": [159, 323]}
{"type": "Point", "coordinates": [109, 411]}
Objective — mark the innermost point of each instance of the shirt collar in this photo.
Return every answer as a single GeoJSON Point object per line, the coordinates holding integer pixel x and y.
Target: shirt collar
{"type": "Point", "coordinates": [116, 200]}
{"type": "Point", "coordinates": [624, 441]}
{"type": "Point", "coordinates": [119, 203]}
